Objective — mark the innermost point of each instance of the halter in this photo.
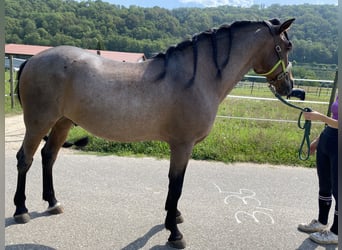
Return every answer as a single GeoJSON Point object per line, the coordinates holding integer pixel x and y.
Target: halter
{"type": "Point", "coordinates": [285, 69]}
{"type": "Point", "coordinates": [281, 61]}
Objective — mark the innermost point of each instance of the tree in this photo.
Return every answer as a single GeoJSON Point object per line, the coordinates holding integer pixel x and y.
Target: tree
{"type": "Point", "coordinates": [149, 30]}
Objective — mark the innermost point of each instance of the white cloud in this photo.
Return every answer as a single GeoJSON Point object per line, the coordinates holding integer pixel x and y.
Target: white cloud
{"type": "Point", "coordinates": [215, 3]}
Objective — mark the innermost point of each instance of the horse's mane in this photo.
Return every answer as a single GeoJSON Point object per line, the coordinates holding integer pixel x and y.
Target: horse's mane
{"type": "Point", "coordinates": [193, 42]}
{"type": "Point", "coordinates": [199, 36]}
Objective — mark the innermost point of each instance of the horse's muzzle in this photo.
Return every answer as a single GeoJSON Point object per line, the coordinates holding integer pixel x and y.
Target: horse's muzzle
{"type": "Point", "coordinates": [284, 84]}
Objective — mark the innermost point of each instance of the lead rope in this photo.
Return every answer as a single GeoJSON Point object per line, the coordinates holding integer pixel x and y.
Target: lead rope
{"type": "Point", "coordinates": [306, 126]}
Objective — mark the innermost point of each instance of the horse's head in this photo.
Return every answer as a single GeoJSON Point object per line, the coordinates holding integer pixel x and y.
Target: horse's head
{"type": "Point", "coordinates": [274, 61]}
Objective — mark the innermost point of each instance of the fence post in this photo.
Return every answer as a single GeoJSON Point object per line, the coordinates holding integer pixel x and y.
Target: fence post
{"type": "Point", "coordinates": [333, 93]}
{"type": "Point", "coordinates": [11, 81]}
{"type": "Point", "coordinates": [319, 90]}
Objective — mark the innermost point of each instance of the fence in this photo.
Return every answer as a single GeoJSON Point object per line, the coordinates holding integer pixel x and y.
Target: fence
{"type": "Point", "coordinates": [249, 81]}
{"type": "Point", "coordinates": [318, 91]}
{"type": "Point", "coordinates": [13, 63]}
{"type": "Point", "coordinates": [270, 100]}
{"type": "Point", "coordinates": [259, 82]}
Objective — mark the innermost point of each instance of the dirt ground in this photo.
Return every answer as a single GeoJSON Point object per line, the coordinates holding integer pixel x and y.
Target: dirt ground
{"type": "Point", "coordinates": [14, 132]}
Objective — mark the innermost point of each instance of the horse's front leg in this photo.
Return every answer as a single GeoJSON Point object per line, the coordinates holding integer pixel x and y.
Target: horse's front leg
{"type": "Point", "coordinates": [179, 159]}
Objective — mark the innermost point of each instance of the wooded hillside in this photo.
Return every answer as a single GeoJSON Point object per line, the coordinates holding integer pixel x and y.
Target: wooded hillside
{"type": "Point", "coordinates": [100, 25]}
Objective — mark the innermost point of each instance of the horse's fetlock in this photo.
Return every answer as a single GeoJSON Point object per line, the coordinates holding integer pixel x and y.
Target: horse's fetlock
{"type": "Point", "coordinates": [19, 201]}
{"type": "Point", "coordinates": [49, 196]}
{"type": "Point", "coordinates": [20, 210]}
{"type": "Point", "coordinates": [170, 221]}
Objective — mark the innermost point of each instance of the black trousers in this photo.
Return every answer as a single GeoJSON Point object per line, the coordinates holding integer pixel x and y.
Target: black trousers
{"type": "Point", "coordinates": [327, 163]}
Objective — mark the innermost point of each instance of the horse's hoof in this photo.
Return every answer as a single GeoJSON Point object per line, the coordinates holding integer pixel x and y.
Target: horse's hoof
{"type": "Point", "coordinates": [179, 219]}
{"type": "Point", "coordinates": [56, 209]}
{"type": "Point", "coordinates": [178, 244]}
{"type": "Point", "coordinates": [22, 218]}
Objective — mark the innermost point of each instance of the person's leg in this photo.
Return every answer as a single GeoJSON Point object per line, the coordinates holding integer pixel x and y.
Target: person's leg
{"type": "Point", "coordinates": [324, 180]}
{"type": "Point", "coordinates": [324, 194]}
{"type": "Point", "coordinates": [334, 174]}
{"type": "Point", "coordinates": [329, 148]}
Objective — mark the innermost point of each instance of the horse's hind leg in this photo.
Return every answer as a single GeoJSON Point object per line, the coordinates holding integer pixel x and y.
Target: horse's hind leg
{"type": "Point", "coordinates": [25, 157]}
{"type": "Point", "coordinates": [49, 153]}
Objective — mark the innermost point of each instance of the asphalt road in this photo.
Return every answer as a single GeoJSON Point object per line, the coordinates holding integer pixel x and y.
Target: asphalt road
{"type": "Point", "coordinates": [118, 203]}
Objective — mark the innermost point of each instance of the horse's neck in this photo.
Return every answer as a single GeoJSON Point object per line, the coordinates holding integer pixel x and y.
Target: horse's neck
{"type": "Point", "coordinates": [234, 72]}
{"type": "Point", "coordinates": [245, 47]}
{"type": "Point", "coordinates": [219, 84]}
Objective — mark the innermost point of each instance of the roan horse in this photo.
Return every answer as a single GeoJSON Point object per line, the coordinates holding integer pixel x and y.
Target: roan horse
{"type": "Point", "coordinates": [172, 97]}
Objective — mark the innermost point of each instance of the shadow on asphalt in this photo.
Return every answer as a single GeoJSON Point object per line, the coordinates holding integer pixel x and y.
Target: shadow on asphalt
{"type": "Point", "coordinates": [28, 246]}
{"type": "Point", "coordinates": [33, 215]}
{"type": "Point", "coordinates": [137, 244]}
{"type": "Point", "coordinates": [141, 242]}
{"type": "Point", "coordinates": [310, 245]}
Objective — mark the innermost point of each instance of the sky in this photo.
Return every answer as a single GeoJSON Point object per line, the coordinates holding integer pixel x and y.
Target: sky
{"type": "Point", "coordinates": [170, 4]}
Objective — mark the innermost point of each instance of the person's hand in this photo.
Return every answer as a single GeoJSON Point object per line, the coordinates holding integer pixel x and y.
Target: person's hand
{"type": "Point", "coordinates": [313, 146]}
{"type": "Point", "coordinates": [313, 115]}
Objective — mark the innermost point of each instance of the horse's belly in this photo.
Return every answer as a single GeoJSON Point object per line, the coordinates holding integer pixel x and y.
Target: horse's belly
{"type": "Point", "coordinates": [123, 131]}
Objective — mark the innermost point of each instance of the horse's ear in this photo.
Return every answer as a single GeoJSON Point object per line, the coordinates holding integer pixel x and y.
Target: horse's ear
{"type": "Point", "coordinates": [286, 25]}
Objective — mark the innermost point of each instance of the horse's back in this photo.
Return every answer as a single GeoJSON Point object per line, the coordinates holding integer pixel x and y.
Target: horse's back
{"type": "Point", "coordinates": [62, 61]}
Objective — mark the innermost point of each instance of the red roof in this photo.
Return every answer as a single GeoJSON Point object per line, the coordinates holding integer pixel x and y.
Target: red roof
{"type": "Point", "coordinates": [31, 50]}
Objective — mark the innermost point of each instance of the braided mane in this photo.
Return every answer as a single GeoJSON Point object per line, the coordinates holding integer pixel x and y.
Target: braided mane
{"type": "Point", "coordinates": [210, 34]}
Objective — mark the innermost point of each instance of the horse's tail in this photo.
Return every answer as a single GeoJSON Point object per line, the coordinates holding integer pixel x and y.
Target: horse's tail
{"type": "Point", "coordinates": [18, 79]}
{"type": "Point", "coordinates": [78, 143]}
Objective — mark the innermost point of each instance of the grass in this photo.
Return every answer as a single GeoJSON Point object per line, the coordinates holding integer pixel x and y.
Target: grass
{"type": "Point", "coordinates": [231, 140]}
